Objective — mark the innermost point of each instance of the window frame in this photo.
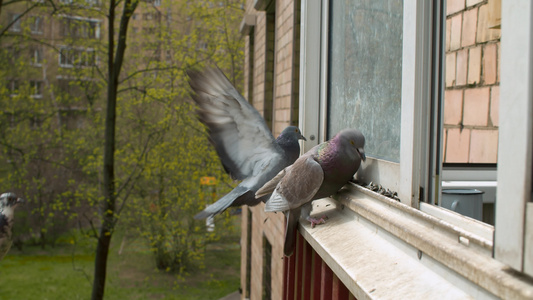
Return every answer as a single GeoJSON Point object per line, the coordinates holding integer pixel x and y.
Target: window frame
{"type": "Point", "coordinates": [79, 27]}
{"type": "Point", "coordinates": [37, 25]}
{"type": "Point", "coordinates": [36, 87]}
{"type": "Point", "coordinates": [36, 56]}
{"type": "Point", "coordinates": [513, 225]}
{"type": "Point", "coordinates": [75, 57]}
{"type": "Point", "coordinates": [66, 62]}
{"type": "Point", "coordinates": [15, 22]}
{"type": "Point", "coordinates": [398, 177]}
{"type": "Point", "coordinates": [13, 87]}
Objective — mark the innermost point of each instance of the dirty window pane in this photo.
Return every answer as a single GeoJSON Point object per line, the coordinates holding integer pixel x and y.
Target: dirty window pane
{"type": "Point", "coordinates": [365, 72]}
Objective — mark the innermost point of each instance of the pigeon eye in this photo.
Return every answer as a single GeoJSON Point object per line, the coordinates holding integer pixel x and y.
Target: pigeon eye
{"type": "Point", "coordinates": [352, 142]}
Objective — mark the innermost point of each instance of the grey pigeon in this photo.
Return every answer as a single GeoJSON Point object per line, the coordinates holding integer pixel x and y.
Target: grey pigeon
{"type": "Point", "coordinates": [243, 141]}
{"type": "Point", "coordinates": [319, 173]}
{"type": "Point", "coordinates": [8, 203]}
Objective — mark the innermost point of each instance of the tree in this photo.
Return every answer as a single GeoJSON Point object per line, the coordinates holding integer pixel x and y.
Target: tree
{"type": "Point", "coordinates": [114, 67]}
{"type": "Point", "coordinates": [154, 156]}
{"type": "Point", "coordinates": [155, 151]}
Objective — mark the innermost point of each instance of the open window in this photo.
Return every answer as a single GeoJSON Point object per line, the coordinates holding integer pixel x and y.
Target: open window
{"type": "Point", "coordinates": [382, 67]}
{"type": "Point", "coordinates": [371, 69]}
{"type": "Point", "coordinates": [425, 95]}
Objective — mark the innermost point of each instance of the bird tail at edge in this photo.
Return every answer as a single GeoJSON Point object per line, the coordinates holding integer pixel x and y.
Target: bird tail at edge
{"type": "Point", "coordinates": [292, 217]}
{"type": "Point", "coordinates": [222, 204]}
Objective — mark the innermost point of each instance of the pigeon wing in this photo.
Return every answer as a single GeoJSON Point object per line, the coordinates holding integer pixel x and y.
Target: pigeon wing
{"type": "Point", "coordinates": [240, 135]}
{"type": "Point", "coordinates": [298, 186]}
{"type": "Point", "coordinates": [270, 186]}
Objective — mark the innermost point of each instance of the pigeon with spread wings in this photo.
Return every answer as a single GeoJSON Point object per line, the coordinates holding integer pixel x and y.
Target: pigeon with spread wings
{"type": "Point", "coordinates": [243, 141]}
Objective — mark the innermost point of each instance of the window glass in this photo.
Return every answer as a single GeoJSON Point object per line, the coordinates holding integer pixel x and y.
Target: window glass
{"type": "Point", "coordinates": [365, 72]}
{"type": "Point", "coordinates": [36, 88]}
{"type": "Point", "coordinates": [16, 26]}
{"type": "Point", "coordinates": [36, 56]}
{"type": "Point", "coordinates": [36, 26]}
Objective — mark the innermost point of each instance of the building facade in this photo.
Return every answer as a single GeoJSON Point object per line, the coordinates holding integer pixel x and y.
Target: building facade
{"type": "Point", "coordinates": [423, 82]}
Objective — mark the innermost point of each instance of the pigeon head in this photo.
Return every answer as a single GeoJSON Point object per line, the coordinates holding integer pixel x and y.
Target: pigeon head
{"type": "Point", "coordinates": [288, 141]}
{"type": "Point", "coordinates": [355, 139]}
{"type": "Point", "coordinates": [292, 133]}
{"type": "Point", "coordinates": [10, 200]}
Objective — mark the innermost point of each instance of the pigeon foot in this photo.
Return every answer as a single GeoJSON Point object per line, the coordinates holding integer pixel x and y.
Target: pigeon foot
{"type": "Point", "coordinates": [315, 221]}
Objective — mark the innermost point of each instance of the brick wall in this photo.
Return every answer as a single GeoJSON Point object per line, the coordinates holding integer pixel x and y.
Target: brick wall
{"type": "Point", "coordinates": [284, 65]}
{"type": "Point", "coordinates": [272, 227]}
{"type": "Point", "coordinates": [472, 84]}
{"type": "Point", "coordinates": [279, 82]}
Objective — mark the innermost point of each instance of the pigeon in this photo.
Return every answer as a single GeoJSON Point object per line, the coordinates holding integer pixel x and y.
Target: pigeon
{"type": "Point", "coordinates": [318, 173]}
{"type": "Point", "coordinates": [243, 141]}
{"type": "Point", "coordinates": [8, 203]}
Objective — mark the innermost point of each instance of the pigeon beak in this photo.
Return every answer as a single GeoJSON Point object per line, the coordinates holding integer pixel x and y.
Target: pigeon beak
{"type": "Point", "coordinates": [20, 201]}
{"type": "Point", "coordinates": [301, 137]}
{"type": "Point", "coordinates": [361, 152]}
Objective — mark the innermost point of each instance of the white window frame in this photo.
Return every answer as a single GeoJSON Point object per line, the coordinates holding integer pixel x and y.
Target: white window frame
{"type": "Point", "coordinates": [67, 63]}
{"type": "Point", "coordinates": [83, 25]}
{"type": "Point", "coordinates": [513, 241]}
{"type": "Point", "coordinates": [37, 88]}
{"type": "Point", "coordinates": [36, 56]}
{"type": "Point", "coordinates": [16, 21]}
{"type": "Point", "coordinates": [13, 87]}
{"type": "Point", "coordinates": [37, 25]}
{"type": "Point", "coordinates": [78, 57]}
{"type": "Point", "coordinates": [91, 3]}
{"type": "Point", "coordinates": [514, 209]}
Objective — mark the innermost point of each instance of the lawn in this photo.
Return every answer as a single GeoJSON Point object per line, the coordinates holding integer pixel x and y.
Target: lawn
{"type": "Point", "coordinates": [65, 272]}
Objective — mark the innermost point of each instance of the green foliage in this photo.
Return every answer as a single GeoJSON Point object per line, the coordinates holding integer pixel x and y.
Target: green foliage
{"type": "Point", "coordinates": [168, 193]}
{"type": "Point", "coordinates": [51, 145]}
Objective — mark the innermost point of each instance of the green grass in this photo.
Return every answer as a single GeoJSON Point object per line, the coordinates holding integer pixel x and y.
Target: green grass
{"type": "Point", "coordinates": [65, 272]}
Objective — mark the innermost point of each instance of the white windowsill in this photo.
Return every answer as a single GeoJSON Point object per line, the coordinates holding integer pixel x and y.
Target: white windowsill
{"type": "Point", "coordinates": [382, 249]}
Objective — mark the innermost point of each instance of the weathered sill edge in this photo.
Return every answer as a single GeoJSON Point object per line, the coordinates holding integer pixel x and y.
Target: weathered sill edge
{"type": "Point", "coordinates": [422, 216]}
{"type": "Point", "coordinates": [480, 269]}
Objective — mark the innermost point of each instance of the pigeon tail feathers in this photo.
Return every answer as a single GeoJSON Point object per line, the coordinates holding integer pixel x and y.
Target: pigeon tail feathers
{"type": "Point", "coordinates": [276, 203]}
{"type": "Point", "coordinates": [222, 204]}
{"type": "Point", "coordinates": [292, 217]}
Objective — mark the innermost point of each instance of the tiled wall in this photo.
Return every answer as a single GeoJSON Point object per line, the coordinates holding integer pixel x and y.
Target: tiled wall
{"type": "Point", "coordinates": [472, 84]}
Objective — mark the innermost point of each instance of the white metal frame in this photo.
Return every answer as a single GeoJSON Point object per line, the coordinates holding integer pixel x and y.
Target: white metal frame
{"type": "Point", "coordinates": [309, 113]}
{"type": "Point", "coordinates": [513, 206]}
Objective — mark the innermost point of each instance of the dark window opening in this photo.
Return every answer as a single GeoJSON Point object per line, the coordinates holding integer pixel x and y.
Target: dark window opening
{"type": "Point", "coordinates": [248, 254]}
{"type": "Point", "coordinates": [268, 109]}
{"type": "Point", "coordinates": [267, 269]}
